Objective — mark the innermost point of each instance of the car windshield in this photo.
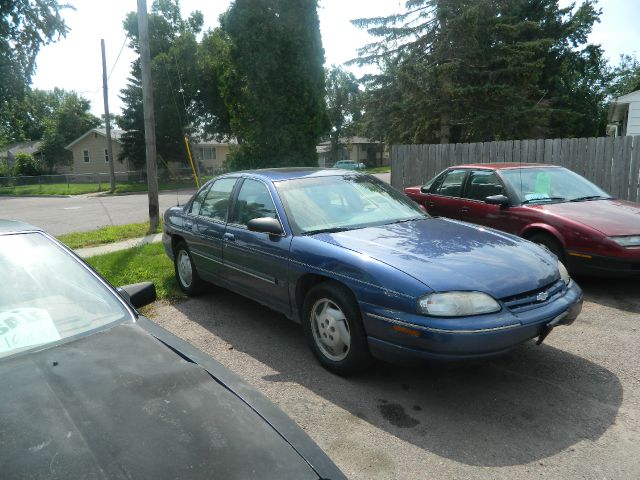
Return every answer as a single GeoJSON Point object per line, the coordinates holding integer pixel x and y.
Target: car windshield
{"type": "Point", "coordinates": [335, 203]}
{"type": "Point", "coordinates": [552, 184]}
{"type": "Point", "coordinates": [47, 295]}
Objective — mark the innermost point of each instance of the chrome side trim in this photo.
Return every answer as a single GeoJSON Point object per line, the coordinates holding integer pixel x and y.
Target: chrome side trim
{"type": "Point", "coordinates": [440, 330]}
{"type": "Point", "coordinates": [271, 281]}
{"type": "Point", "coordinates": [207, 257]}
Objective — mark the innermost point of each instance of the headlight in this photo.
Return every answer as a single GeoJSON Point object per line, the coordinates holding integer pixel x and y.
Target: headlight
{"type": "Point", "coordinates": [628, 241]}
{"type": "Point", "coordinates": [457, 304]}
{"type": "Point", "coordinates": [564, 273]}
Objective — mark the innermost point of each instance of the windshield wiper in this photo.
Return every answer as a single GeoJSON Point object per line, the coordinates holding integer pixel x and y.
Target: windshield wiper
{"type": "Point", "coordinates": [545, 199]}
{"type": "Point", "coordinates": [589, 197]}
{"type": "Point", "coordinates": [327, 230]}
{"type": "Point", "coordinates": [406, 220]}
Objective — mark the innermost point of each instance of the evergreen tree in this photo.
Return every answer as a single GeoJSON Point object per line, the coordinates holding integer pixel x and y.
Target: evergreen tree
{"type": "Point", "coordinates": [476, 70]}
{"type": "Point", "coordinates": [173, 48]}
{"type": "Point", "coordinates": [274, 86]}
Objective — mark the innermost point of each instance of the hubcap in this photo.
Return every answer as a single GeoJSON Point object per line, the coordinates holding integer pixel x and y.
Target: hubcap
{"type": "Point", "coordinates": [185, 273]}
{"type": "Point", "coordinates": [330, 330]}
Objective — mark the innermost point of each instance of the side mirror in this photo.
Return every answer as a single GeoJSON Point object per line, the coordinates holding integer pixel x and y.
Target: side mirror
{"type": "Point", "coordinates": [424, 189]}
{"type": "Point", "coordinates": [501, 200]}
{"type": "Point", "coordinates": [138, 294]}
{"type": "Point", "coordinates": [265, 225]}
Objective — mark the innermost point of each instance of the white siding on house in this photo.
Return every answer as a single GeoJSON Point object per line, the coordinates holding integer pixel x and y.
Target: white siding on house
{"type": "Point", "coordinates": [633, 120]}
{"type": "Point", "coordinates": [94, 145]}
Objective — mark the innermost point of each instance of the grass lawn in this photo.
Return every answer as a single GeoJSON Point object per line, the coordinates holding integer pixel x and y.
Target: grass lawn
{"type": "Point", "coordinates": [386, 169]}
{"type": "Point", "coordinates": [148, 263]}
{"type": "Point", "coordinates": [106, 235]}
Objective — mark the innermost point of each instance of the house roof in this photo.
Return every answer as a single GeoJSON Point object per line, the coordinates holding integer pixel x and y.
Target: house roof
{"type": "Point", "coordinates": [619, 107]}
{"type": "Point", "coordinates": [351, 141]}
{"type": "Point", "coordinates": [115, 135]}
{"type": "Point", "coordinates": [629, 97]}
{"type": "Point", "coordinates": [30, 147]}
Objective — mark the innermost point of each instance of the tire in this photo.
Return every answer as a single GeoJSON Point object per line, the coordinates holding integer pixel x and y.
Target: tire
{"type": "Point", "coordinates": [333, 327]}
{"type": "Point", "coordinates": [186, 274]}
{"type": "Point", "coordinates": [550, 243]}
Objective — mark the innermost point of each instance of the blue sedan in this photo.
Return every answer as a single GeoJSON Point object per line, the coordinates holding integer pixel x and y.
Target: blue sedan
{"type": "Point", "coordinates": [364, 270]}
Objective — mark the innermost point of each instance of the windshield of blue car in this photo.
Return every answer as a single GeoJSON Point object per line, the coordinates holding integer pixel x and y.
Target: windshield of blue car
{"type": "Point", "coordinates": [551, 184]}
{"type": "Point", "coordinates": [47, 295]}
{"type": "Point", "coordinates": [335, 203]}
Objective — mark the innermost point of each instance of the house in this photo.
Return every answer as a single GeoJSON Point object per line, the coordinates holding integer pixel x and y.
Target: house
{"type": "Point", "coordinates": [624, 115]}
{"type": "Point", "coordinates": [31, 147]}
{"type": "Point", "coordinates": [211, 154]}
{"type": "Point", "coordinates": [90, 153]}
{"type": "Point", "coordinates": [359, 149]}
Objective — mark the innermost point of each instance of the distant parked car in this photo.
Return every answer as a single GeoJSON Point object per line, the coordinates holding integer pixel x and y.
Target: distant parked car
{"type": "Point", "coordinates": [92, 389]}
{"type": "Point", "coordinates": [364, 269]}
{"type": "Point", "coordinates": [576, 220]}
{"type": "Point", "coordinates": [349, 165]}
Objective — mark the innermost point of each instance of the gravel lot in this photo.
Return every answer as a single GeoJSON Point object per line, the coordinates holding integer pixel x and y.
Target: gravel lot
{"type": "Point", "coordinates": [567, 409]}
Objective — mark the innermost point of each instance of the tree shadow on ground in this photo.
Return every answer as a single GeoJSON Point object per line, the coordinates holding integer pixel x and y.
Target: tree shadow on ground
{"type": "Point", "coordinates": [519, 408]}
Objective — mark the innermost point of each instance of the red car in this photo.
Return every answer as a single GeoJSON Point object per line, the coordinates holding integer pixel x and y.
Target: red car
{"type": "Point", "coordinates": [584, 226]}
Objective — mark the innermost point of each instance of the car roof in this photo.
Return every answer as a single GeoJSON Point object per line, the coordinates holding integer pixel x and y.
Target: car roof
{"type": "Point", "coordinates": [504, 165]}
{"type": "Point", "coordinates": [291, 173]}
{"type": "Point", "coordinates": [14, 226]}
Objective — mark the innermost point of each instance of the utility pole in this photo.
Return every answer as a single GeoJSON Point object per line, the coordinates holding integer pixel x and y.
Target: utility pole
{"type": "Point", "coordinates": [107, 120]}
{"type": "Point", "coordinates": [149, 117]}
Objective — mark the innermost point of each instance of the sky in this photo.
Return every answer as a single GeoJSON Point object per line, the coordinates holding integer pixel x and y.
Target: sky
{"type": "Point", "coordinates": [75, 62]}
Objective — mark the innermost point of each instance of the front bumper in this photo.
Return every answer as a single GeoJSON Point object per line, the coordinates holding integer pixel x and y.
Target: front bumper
{"type": "Point", "coordinates": [582, 264]}
{"type": "Point", "coordinates": [398, 336]}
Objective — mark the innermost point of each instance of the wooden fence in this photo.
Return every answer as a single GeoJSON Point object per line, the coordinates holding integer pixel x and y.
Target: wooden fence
{"type": "Point", "coordinates": [611, 163]}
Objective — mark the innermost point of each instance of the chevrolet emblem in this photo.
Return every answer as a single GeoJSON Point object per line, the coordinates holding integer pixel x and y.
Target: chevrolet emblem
{"type": "Point", "coordinates": [542, 296]}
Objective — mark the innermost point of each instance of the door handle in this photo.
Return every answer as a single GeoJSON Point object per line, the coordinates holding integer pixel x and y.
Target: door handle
{"type": "Point", "coordinates": [229, 237]}
{"type": "Point", "coordinates": [429, 203]}
{"type": "Point", "coordinates": [464, 209]}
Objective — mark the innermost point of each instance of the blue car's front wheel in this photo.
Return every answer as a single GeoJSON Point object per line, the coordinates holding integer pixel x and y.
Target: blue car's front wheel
{"type": "Point", "coordinates": [334, 329]}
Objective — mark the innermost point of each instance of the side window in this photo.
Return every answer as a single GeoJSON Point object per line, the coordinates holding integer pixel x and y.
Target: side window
{"type": "Point", "coordinates": [451, 186]}
{"type": "Point", "coordinates": [197, 202]}
{"type": "Point", "coordinates": [483, 184]}
{"type": "Point", "coordinates": [254, 201]}
{"type": "Point", "coordinates": [216, 204]}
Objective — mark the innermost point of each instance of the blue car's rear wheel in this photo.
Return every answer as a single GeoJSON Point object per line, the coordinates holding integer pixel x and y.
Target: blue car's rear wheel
{"type": "Point", "coordinates": [334, 329]}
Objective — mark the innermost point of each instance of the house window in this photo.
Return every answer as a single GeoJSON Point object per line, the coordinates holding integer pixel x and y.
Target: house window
{"type": "Point", "coordinates": [106, 156]}
{"type": "Point", "coordinates": [207, 153]}
{"type": "Point", "coordinates": [85, 156]}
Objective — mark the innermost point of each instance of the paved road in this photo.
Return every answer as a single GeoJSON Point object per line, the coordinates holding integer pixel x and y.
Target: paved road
{"type": "Point", "coordinates": [83, 213]}
{"type": "Point", "coordinates": [568, 409]}
{"type": "Point", "coordinates": [90, 212]}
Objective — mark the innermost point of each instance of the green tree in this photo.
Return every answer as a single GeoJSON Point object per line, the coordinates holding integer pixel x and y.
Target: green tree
{"type": "Point", "coordinates": [625, 77]}
{"type": "Point", "coordinates": [274, 86]}
{"type": "Point", "coordinates": [343, 107]}
{"type": "Point", "coordinates": [176, 84]}
{"type": "Point", "coordinates": [25, 26]}
{"type": "Point", "coordinates": [475, 70]}
{"type": "Point", "coordinates": [70, 119]}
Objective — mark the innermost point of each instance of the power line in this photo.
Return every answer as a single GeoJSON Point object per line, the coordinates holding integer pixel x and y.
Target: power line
{"type": "Point", "coordinates": [126, 37]}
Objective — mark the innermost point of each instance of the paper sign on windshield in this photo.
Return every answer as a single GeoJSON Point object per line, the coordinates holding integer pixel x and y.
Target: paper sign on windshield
{"type": "Point", "coordinates": [26, 327]}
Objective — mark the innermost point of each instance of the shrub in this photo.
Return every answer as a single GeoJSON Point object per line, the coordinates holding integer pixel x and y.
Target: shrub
{"type": "Point", "coordinates": [26, 165]}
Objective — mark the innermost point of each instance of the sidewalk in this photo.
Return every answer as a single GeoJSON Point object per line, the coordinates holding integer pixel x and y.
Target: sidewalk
{"type": "Point", "coordinates": [114, 247]}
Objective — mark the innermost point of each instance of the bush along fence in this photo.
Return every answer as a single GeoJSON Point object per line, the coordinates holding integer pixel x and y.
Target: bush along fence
{"type": "Point", "coordinates": [611, 163]}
